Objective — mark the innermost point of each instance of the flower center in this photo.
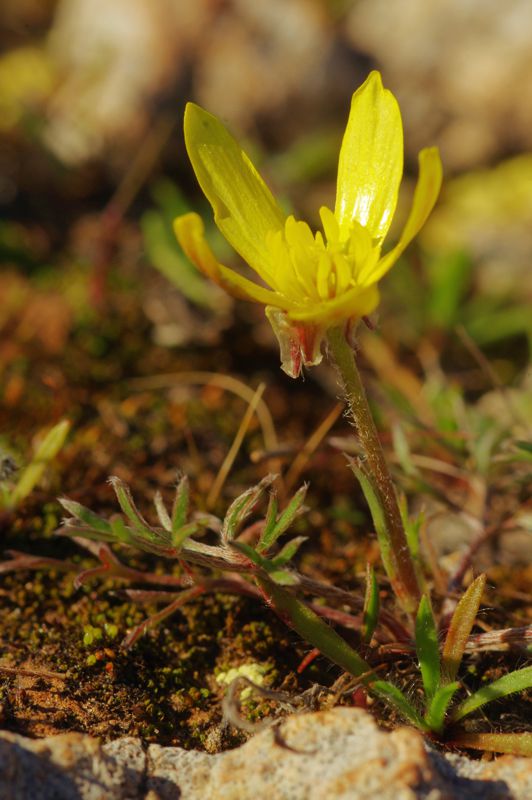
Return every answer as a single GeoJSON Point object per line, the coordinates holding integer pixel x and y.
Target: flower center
{"type": "Point", "coordinates": [308, 268]}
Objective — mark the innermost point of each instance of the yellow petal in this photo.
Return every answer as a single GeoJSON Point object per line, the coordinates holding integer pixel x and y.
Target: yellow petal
{"type": "Point", "coordinates": [244, 208]}
{"type": "Point", "coordinates": [371, 160]}
{"type": "Point", "coordinates": [356, 302]}
{"type": "Point", "coordinates": [425, 196]}
{"type": "Point", "coordinates": [190, 233]}
{"type": "Point", "coordinates": [330, 225]}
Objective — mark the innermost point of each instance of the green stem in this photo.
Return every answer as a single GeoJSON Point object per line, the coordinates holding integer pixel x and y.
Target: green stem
{"type": "Point", "coordinates": [405, 578]}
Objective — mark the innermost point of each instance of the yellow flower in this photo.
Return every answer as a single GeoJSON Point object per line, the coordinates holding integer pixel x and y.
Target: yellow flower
{"type": "Point", "coordinates": [314, 281]}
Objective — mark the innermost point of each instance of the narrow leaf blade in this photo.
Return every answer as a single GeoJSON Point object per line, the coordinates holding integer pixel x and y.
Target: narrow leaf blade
{"type": "Point", "coordinates": [314, 630]}
{"type": "Point", "coordinates": [396, 698]}
{"type": "Point", "coordinates": [180, 506]}
{"type": "Point", "coordinates": [516, 744]}
{"type": "Point", "coordinates": [45, 452]}
{"type": "Point", "coordinates": [460, 627]}
{"type": "Point", "coordinates": [85, 515]}
{"type": "Point", "coordinates": [286, 518]}
{"type": "Point", "coordinates": [269, 524]}
{"type": "Point", "coordinates": [371, 605]}
{"type": "Point", "coordinates": [127, 504]}
{"type": "Point", "coordinates": [516, 681]}
{"type": "Point", "coordinates": [241, 508]}
{"type": "Point", "coordinates": [435, 716]}
{"type": "Point", "coordinates": [289, 550]}
{"type": "Point", "coordinates": [427, 648]}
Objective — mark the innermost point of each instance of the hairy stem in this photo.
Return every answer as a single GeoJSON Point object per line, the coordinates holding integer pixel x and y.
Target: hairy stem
{"type": "Point", "coordinates": [404, 580]}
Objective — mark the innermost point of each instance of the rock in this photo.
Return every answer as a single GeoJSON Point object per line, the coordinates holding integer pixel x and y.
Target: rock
{"type": "Point", "coordinates": [461, 70]}
{"type": "Point", "coordinates": [339, 755]}
{"type": "Point", "coordinates": [69, 767]}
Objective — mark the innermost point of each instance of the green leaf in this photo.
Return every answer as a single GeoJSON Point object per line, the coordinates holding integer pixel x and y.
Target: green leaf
{"type": "Point", "coordinates": [241, 508]}
{"type": "Point", "coordinates": [379, 520]}
{"type": "Point", "coordinates": [371, 605]}
{"type": "Point", "coordinates": [525, 451]}
{"type": "Point", "coordinates": [396, 698]}
{"type": "Point", "coordinates": [120, 531]}
{"type": "Point", "coordinates": [127, 504]}
{"type": "Point", "coordinates": [289, 550]}
{"type": "Point", "coordinates": [282, 577]}
{"type": "Point", "coordinates": [269, 523]}
{"type": "Point", "coordinates": [252, 554]}
{"type": "Point", "coordinates": [162, 513]}
{"type": "Point", "coordinates": [412, 528]}
{"type": "Point", "coordinates": [180, 506]}
{"type": "Point", "coordinates": [450, 277]}
{"type": "Point", "coordinates": [460, 627]}
{"type": "Point", "coordinates": [85, 515]}
{"type": "Point", "coordinates": [427, 648]}
{"type": "Point", "coordinates": [45, 452]}
{"type": "Point", "coordinates": [516, 681]}
{"type": "Point", "coordinates": [278, 576]}
{"type": "Point", "coordinates": [526, 446]}
{"type": "Point", "coordinates": [272, 532]}
{"type": "Point", "coordinates": [165, 256]}
{"type": "Point", "coordinates": [435, 716]}
{"type": "Point", "coordinates": [314, 630]}
{"type": "Point", "coordinates": [402, 450]}
{"type": "Point", "coordinates": [180, 536]}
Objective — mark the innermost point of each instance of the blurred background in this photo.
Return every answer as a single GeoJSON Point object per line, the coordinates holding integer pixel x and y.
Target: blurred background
{"type": "Point", "coordinates": [93, 169]}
